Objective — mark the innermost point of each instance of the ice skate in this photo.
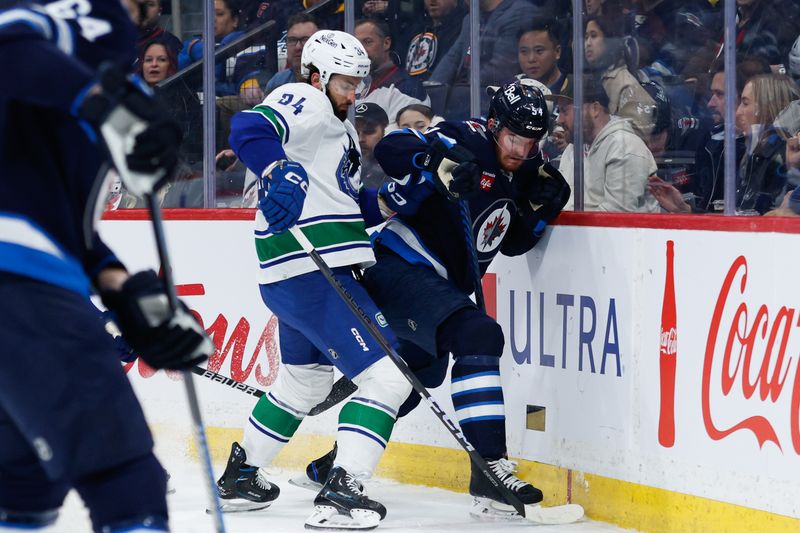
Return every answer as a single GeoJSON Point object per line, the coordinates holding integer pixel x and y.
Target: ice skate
{"type": "Point", "coordinates": [316, 472]}
{"type": "Point", "coordinates": [487, 501]}
{"type": "Point", "coordinates": [343, 505]}
{"type": "Point", "coordinates": [243, 487]}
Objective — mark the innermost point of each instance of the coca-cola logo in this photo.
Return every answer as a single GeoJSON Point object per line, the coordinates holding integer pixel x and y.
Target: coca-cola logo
{"type": "Point", "coordinates": [669, 341]}
{"type": "Point", "coordinates": [752, 361]}
{"type": "Point", "coordinates": [235, 345]}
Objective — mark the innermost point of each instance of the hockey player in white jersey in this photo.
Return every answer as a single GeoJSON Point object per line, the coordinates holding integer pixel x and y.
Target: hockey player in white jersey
{"type": "Point", "coordinates": [300, 143]}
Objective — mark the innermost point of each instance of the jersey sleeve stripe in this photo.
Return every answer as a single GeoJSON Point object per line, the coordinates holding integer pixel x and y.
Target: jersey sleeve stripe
{"type": "Point", "coordinates": [321, 235]}
{"type": "Point", "coordinates": [277, 121]}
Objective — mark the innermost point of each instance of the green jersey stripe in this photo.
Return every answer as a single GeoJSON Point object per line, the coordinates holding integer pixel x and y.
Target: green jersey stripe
{"type": "Point", "coordinates": [269, 114]}
{"type": "Point", "coordinates": [373, 420]}
{"type": "Point", "coordinates": [321, 235]}
{"type": "Point", "coordinates": [274, 418]}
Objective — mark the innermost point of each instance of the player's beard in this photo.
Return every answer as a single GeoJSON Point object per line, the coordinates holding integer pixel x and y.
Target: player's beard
{"type": "Point", "coordinates": [337, 107]}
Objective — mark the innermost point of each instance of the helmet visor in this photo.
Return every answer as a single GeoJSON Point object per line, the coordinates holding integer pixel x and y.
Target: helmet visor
{"type": "Point", "coordinates": [516, 146]}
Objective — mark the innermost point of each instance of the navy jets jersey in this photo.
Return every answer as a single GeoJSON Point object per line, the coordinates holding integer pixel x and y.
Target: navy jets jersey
{"type": "Point", "coordinates": [502, 219]}
{"type": "Point", "coordinates": [49, 163]}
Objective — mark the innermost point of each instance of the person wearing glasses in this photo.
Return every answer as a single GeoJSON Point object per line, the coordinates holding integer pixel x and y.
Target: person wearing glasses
{"type": "Point", "coordinates": [301, 27]}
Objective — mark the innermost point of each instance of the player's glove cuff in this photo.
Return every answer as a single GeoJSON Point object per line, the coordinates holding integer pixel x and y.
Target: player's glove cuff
{"type": "Point", "coordinates": [162, 337]}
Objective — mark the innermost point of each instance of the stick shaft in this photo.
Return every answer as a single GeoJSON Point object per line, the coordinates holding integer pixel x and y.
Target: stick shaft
{"type": "Point", "coordinates": [373, 330]}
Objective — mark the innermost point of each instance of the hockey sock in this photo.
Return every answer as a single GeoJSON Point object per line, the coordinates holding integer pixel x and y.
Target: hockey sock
{"type": "Point", "coordinates": [478, 401]}
{"type": "Point", "coordinates": [364, 429]}
{"type": "Point", "coordinates": [271, 424]}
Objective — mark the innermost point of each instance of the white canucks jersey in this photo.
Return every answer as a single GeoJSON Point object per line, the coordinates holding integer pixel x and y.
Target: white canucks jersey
{"type": "Point", "coordinates": [331, 218]}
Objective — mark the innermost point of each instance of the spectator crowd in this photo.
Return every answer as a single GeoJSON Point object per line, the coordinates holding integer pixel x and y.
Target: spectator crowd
{"type": "Point", "coordinates": [654, 88]}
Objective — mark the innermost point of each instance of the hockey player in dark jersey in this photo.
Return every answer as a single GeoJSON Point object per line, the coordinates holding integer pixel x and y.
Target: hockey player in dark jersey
{"type": "Point", "coordinates": [422, 279]}
{"type": "Point", "coordinates": [68, 416]}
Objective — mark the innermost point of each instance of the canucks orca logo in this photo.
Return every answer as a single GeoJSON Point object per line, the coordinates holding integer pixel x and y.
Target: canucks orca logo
{"type": "Point", "coordinates": [347, 173]}
{"type": "Point", "coordinates": [492, 226]}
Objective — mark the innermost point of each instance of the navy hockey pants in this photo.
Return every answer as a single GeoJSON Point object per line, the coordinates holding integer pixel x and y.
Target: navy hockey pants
{"type": "Point", "coordinates": [68, 415]}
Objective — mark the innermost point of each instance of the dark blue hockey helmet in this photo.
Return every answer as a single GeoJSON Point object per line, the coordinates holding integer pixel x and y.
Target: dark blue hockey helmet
{"type": "Point", "coordinates": [519, 106]}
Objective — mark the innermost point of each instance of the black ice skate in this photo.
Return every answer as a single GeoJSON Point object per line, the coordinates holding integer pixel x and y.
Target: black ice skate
{"type": "Point", "coordinates": [316, 472]}
{"type": "Point", "coordinates": [243, 487]}
{"type": "Point", "coordinates": [487, 501]}
{"type": "Point", "coordinates": [343, 505]}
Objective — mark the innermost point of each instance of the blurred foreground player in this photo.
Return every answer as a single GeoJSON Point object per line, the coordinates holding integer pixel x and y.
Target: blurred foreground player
{"type": "Point", "coordinates": [68, 415]}
{"type": "Point", "coordinates": [422, 279]}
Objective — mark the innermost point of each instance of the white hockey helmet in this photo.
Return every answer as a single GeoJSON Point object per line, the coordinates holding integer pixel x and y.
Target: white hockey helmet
{"type": "Point", "coordinates": [334, 52]}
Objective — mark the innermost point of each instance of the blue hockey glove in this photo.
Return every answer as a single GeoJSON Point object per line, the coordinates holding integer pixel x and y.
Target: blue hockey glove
{"type": "Point", "coordinates": [141, 139]}
{"type": "Point", "coordinates": [404, 196]}
{"type": "Point", "coordinates": [286, 185]}
{"type": "Point", "coordinates": [162, 337]}
{"type": "Point", "coordinates": [455, 168]}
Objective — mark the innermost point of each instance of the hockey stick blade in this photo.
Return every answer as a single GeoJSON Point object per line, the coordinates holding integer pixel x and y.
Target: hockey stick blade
{"type": "Point", "coordinates": [555, 515]}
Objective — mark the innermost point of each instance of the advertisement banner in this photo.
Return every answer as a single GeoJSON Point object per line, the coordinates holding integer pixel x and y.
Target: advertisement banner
{"type": "Point", "coordinates": [662, 357]}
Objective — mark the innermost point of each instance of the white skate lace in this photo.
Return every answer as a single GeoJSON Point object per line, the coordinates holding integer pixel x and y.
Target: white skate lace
{"type": "Point", "coordinates": [354, 484]}
{"type": "Point", "coordinates": [261, 481]}
{"type": "Point", "coordinates": [504, 469]}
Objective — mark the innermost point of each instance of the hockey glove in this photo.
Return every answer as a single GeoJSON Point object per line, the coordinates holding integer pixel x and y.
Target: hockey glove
{"type": "Point", "coordinates": [141, 140]}
{"type": "Point", "coordinates": [286, 185]}
{"type": "Point", "coordinates": [163, 338]}
{"type": "Point", "coordinates": [548, 192]}
{"type": "Point", "coordinates": [404, 196]}
{"type": "Point", "coordinates": [455, 168]}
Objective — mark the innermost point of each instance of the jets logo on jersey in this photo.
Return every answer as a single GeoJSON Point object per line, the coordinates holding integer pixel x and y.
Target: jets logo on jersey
{"type": "Point", "coordinates": [347, 173]}
{"type": "Point", "coordinates": [492, 227]}
{"type": "Point", "coordinates": [421, 53]}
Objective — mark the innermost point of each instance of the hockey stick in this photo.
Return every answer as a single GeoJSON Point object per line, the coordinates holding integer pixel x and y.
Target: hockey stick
{"type": "Point", "coordinates": [555, 515]}
{"type": "Point", "coordinates": [474, 266]}
{"type": "Point", "coordinates": [342, 388]}
{"type": "Point", "coordinates": [191, 393]}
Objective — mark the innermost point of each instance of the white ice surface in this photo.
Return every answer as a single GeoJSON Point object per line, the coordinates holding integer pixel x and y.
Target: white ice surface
{"type": "Point", "coordinates": [410, 508]}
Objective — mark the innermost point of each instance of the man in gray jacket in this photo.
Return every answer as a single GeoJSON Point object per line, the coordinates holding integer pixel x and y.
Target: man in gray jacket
{"type": "Point", "coordinates": [617, 163]}
{"type": "Point", "coordinates": [500, 22]}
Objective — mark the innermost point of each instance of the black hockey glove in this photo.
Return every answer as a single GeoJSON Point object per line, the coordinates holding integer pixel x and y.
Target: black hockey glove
{"type": "Point", "coordinates": [141, 139]}
{"type": "Point", "coordinates": [163, 338]}
{"type": "Point", "coordinates": [548, 192]}
{"type": "Point", "coordinates": [454, 168]}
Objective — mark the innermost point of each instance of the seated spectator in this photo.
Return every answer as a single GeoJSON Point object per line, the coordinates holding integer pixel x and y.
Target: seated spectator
{"type": "Point", "coordinates": [617, 163]}
{"type": "Point", "coordinates": [375, 37]}
{"type": "Point", "coordinates": [150, 28]}
{"type": "Point", "coordinates": [434, 36]}
{"type": "Point", "coordinates": [766, 28]}
{"type": "Point", "coordinates": [501, 21]}
{"type": "Point", "coordinates": [416, 117]}
{"type": "Point", "coordinates": [761, 178]}
{"type": "Point", "coordinates": [371, 122]}
{"type": "Point", "coordinates": [538, 52]}
{"type": "Point", "coordinates": [157, 63]}
{"type": "Point", "coordinates": [706, 189]}
{"type": "Point", "coordinates": [391, 100]}
{"type": "Point", "coordinates": [232, 76]}
{"type": "Point", "coordinates": [607, 57]}
{"type": "Point", "coordinates": [301, 27]}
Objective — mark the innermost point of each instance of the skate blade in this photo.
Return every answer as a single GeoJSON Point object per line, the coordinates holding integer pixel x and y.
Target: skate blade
{"type": "Point", "coordinates": [240, 506]}
{"type": "Point", "coordinates": [305, 483]}
{"type": "Point", "coordinates": [326, 517]}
